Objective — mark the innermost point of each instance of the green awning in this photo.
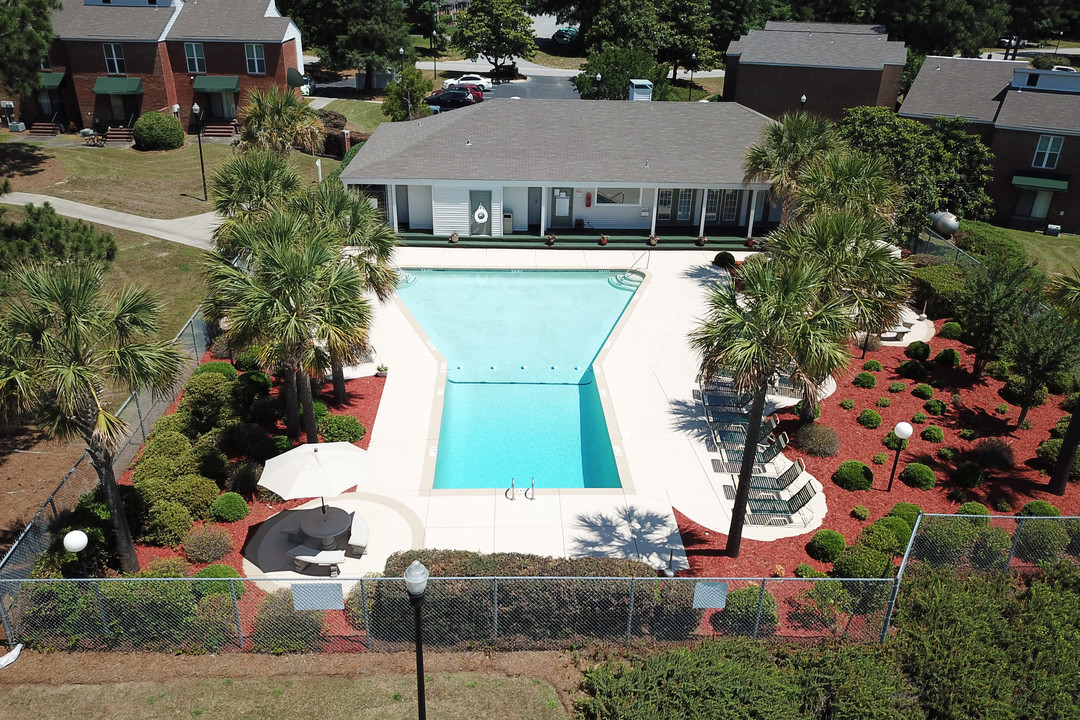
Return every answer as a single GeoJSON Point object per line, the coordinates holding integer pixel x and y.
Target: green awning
{"type": "Point", "coordinates": [118, 86]}
{"type": "Point", "coordinates": [50, 81]}
{"type": "Point", "coordinates": [294, 78]}
{"type": "Point", "coordinates": [1028, 182]}
{"type": "Point", "coordinates": [217, 84]}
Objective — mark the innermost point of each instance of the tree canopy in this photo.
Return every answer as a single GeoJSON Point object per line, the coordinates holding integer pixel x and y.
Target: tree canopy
{"type": "Point", "coordinates": [404, 99]}
{"type": "Point", "coordinates": [25, 35]}
{"type": "Point", "coordinates": [496, 30]}
{"type": "Point", "coordinates": [616, 66]}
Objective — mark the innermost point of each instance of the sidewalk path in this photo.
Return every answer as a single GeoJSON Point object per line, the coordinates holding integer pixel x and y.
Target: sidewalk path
{"type": "Point", "coordinates": [194, 231]}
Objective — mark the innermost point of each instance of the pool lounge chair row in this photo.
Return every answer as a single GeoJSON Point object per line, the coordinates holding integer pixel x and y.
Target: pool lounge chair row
{"type": "Point", "coordinates": [781, 512]}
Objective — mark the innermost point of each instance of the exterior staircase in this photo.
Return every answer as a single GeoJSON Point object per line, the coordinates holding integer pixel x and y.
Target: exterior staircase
{"type": "Point", "coordinates": [218, 130]}
{"type": "Point", "coordinates": [119, 136]}
{"type": "Point", "coordinates": [44, 129]}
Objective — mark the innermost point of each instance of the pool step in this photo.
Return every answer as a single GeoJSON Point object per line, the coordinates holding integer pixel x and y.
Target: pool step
{"type": "Point", "coordinates": [626, 281]}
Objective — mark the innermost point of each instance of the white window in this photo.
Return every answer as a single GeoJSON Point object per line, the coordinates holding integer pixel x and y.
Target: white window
{"type": "Point", "coordinates": [196, 61]}
{"type": "Point", "coordinates": [663, 205]}
{"type": "Point", "coordinates": [618, 196]}
{"type": "Point", "coordinates": [712, 201]}
{"type": "Point", "coordinates": [1047, 153]}
{"type": "Point", "coordinates": [114, 58]}
{"type": "Point", "coordinates": [256, 61]}
{"type": "Point", "coordinates": [731, 205]}
{"type": "Point", "coordinates": [686, 199]}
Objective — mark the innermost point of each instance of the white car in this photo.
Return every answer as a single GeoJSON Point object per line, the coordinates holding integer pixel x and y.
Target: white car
{"type": "Point", "coordinates": [480, 80]}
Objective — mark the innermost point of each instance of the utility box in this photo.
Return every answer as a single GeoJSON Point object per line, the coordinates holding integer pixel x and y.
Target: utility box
{"type": "Point", "coordinates": [1052, 230]}
{"type": "Point", "coordinates": [508, 223]}
{"type": "Point", "coordinates": [17, 127]}
{"type": "Point", "coordinates": [641, 90]}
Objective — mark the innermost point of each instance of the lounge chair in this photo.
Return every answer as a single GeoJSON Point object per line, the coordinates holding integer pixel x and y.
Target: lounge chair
{"type": "Point", "coordinates": [780, 512]}
{"type": "Point", "coordinates": [304, 556]}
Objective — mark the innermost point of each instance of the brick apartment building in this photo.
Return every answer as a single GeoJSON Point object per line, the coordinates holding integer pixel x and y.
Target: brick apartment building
{"type": "Point", "coordinates": [112, 60]}
{"type": "Point", "coordinates": [833, 66]}
{"type": "Point", "coordinates": [1030, 120]}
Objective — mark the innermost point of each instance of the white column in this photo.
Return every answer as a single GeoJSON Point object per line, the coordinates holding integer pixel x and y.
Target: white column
{"type": "Point", "coordinates": [655, 208]}
{"type": "Point", "coordinates": [753, 209]}
{"type": "Point", "coordinates": [704, 199]}
{"type": "Point", "coordinates": [391, 201]}
{"type": "Point", "coordinates": [543, 209]}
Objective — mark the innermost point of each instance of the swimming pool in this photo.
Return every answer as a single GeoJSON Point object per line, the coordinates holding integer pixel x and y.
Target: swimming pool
{"type": "Point", "coordinates": [521, 400]}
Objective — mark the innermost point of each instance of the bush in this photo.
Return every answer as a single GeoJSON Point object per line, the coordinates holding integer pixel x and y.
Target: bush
{"type": "Point", "coordinates": [817, 439]}
{"type": "Point", "coordinates": [1002, 409]}
{"type": "Point", "coordinates": [1041, 540]}
{"type": "Point", "coordinates": [882, 538]}
{"type": "Point", "coordinates": [911, 369]}
{"type": "Point", "coordinates": [213, 627]}
{"type": "Point", "coordinates": [872, 342]}
{"type": "Point", "coordinates": [266, 410]}
{"type": "Point", "coordinates": [826, 545]}
{"type": "Point", "coordinates": [908, 512]}
{"type": "Point", "coordinates": [150, 615]}
{"type": "Point", "coordinates": [893, 442]}
{"type": "Point", "coordinates": [1013, 392]}
{"type": "Point", "coordinates": [1070, 401]}
{"type": "Point", "coordinates": [872, 366]}
{"type": "Point", "coordinates": [797, 409]}
{"type": "Point", "coordinates": [740, 614]}
{"type": "Point", "coordinates": [1047, 455]}
{"type": "Point", "coordinates": [938, 287]}
{"type": "Point", "coordinates": [174, 422]}
{"type": "Point", "coordinates": [207, 543]}
{"type": "Point", "coordinates": [861, 561]}
{"type": "Point", "coordinates": [803, 570]}
{"type": "Point", "coordinates": [270, 446]}
{"type": "Point", "coordinates": [932, 433]}
{"type": "Point", "coordinates": [854, 475]}
{"type": "Point", "coordinates": [847, 403]}
{"type": "Point", "coordinates": [195, 492]}
{"type": "Point", "coordinates": [946, 453]}
{"type": "Point", "coordinates": [224, 587]}
{"type": "Point", "coordinates": [1039, 508]}
{"type": "Point", "coordinates": [975, 508]}
{"type": "Point", "coordinates": [166, 524]}
{"type": "Point", "coordinates": [945, 541]}
{"type": "Point", "coordinates": [880, 458]}
{"type": "Point", "coordinates": [208, 461]}
{"type": "Point", "coordinates": [208, 399]}
{"type": "Point", "coordinates": [860, 512]}
{"type": "Point", "coordinates": [244, 479]}
{"type": "Point", "coordinates": [919, 418]}
{"type": "Point", "coordinates": [897, 387]}
{"type": "Point", "coordinates": [1060, 428]}
{"type": "Point", "coordinates": [341, 428]}
{"type": "Point", "coordinates": [251, 386]}
{"type": "Point", "coordinates": [869, 419]}
{"type": "Point", "coordinates": [331, 119]}
{"type": "Point", "coordinates": [883, 402]}
{"type": "Point", "coordinates": [968, 474]}
{"type": "Point", "coordinates": [951, 331]}
{"type": "Point", "coordinates": [280, 629]}
{"type": "Point", "coordinates": [968, 434]}
{"type": "Point", "coordinates": [991, 547]}
{"type": "Point", "coordinates": [157, 131]}
{"type": "Point", "coordinates": [923, 391]}
{"type": "Point", "coordinates": [1002, 505]}
{"type": "Point", "coordinates": [724, 259]}
{"type": "Point", "coordinates": [220, 367]}
{"type": "Point", "coordinates": [994, 453]}
{"type": "Point", "coordinates": [864, 380]}
{"type": "Point", "coordinates": [934, 407]}
{"type": "Point", "coordinates": [918, 350]}
{"type": "Point", "coordinates": [979, 238]}
{"type": "Point", "coordinates": [168, 444]}
{"type": "Point", "coordinates": [247, 360]}
{"type": "Point", "coordinates": [918, 475]}
{"type": "Point", "coordinates": [229, 507]}
{"type": "Point", "coordinates": [948, 357]}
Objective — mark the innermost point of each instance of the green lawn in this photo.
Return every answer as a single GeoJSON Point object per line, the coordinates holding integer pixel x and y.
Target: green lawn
{"type": "Point", "coordinates": [1055, 254]}
{"type": "Point", "coordinates": [364, 116]}
{"type": "Point", "coordinates": [423, 49]}
{"type": "Point", "coordinates": [382, 697]}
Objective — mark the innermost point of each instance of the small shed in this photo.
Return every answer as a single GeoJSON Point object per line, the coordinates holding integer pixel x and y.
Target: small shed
{"type": "Point", "coordinates": [641, 90]}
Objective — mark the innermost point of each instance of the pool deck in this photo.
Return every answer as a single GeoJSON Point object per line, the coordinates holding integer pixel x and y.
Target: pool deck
{"type": "Point", "coordinates": [655, 418]}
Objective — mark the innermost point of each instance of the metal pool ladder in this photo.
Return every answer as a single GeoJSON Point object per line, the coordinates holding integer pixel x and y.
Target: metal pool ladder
{"type": "Point", "coordinates": [511, 492]}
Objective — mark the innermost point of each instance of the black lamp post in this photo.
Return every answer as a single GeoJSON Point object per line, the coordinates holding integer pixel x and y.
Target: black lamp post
{"type": "Point", "coordinates": [1058, 45]}
{"type": "Point", "coordinates": [75, 542]}
{"type": "Point", "coordinates": [401, 55]}
{"type": "Point", "coordinates": [693, 64]}
{"type": "Point", "coordinates": [903, 431]}
{"type": "Point", "coordinates": [198, 133]}
{"type": "Point", "coordinates": [802, 103]}
{"type": "Point", "coordinates": [416, 577]}
{"type": "Point", "coordinates": [435, 47]}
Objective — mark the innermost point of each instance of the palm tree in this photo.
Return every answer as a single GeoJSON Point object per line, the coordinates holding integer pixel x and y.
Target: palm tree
{"type": "Point", "coordinates": [62, 342]}
{"type": "Point", "coordinates": [246, 185]}
{"type": "Point", "coordinates": [276, 120]}
{"type": "Point", "coordinates": [1063, 292]}
{"type": "Point", "coordinates": [847, 181]}
{"type": "Point", "coordinates": [777, 324]}
{"type": "Point", "coordinates": [293, 294]}
{"type": "Point", "coordinates": [787, 148]}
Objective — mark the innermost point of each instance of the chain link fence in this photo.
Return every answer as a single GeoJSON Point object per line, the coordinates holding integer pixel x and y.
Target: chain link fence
{"type": "Point", "coordinates": [139, 411]}
{"type": "Point", "coordinates": [994, 543]}
{"type": "Point", "coordinates": [933, 244]}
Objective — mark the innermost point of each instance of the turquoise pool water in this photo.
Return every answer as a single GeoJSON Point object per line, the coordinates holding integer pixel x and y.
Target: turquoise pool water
{"type": "Point", "coordinates": [521, 400]}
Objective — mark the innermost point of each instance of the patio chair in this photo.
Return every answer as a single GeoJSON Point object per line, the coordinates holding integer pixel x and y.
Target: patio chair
{"type": "Point", "coordinates": [358, 536]}
{"type": "Point", "coordinates": [291, 529]}
{"type": "Point", "coordinates": [303, 557]}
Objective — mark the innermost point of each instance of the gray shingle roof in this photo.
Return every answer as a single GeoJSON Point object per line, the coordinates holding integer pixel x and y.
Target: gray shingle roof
{"type": "Point", "coordinates": [1038, 110]}
{"type": "Point", "coordinates": [826, 27]}
{"type": "Point", "coordinates": [228, 20]}
{"type": "Point", "coordinates": [575, 141]}
{"type": "Point", "coordinates": [75, 21]}
{"type": "Point", "coordinates": [818, 49]}
{"type": "Point", "coordinates": [959, 87]}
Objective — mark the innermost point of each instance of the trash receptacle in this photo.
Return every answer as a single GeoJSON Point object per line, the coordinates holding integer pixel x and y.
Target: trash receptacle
{"type": "Point", "coordinates": [508, 223]}
{"type": "Point", "coordinates": [1052, 230]}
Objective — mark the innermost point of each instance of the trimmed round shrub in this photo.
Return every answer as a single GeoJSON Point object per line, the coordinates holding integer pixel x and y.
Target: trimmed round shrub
{"type": "Point", "coordinates": [893, 442]}
{"type": "Point", "coordinates": [1039, 508]}
{"type": "Point", "coordinates": [883, 402]}
{"type": "Point", "coordinates": [908, 512]}
{"type": "Point", "coordinates": [1072, 527]}
{"type": "Point", "coordinates": [221, 367]}
{"type": "Point", "coordinates": [208, 399]}
{"type": "Point", "coordinates": [847, 403]}
{"type": "Point", "coordinates": [173, 422]}
{"type": "Point", "coordinates": [869, 419]}
{"type": "Point", "coordinates": [917, 475]}
{"type": "Point", "coordinates": [918, 350]}
{"type": "Point", "coordinates": [993, 452]}
{"type": "Point", "coordinates": [1047, 456]}
{"type": "Point", "coordinates": [991, 547]}
{"type": "Point", "coordinates": [797, 409]}
{"type": "Point", "coordinates": [207, 543]}
{"type": "Point", "coordinates": [1070, 401]}
{"type": "Point", "coordinates": [167, 522]}
{"type": "Point", "coordinates": [1040, 540]}
{"type": "Point", "coordinates": [157, 131]}
{"type": "Point", "coordinates": [951, 331]}
{"type": "Point", "coordinates": [880, 538]}
{"type": "Point", "coordinates": [244, 478]}
{"type": "Point", "coordinates": [196, 493]}
{"type": "Point", "coordinates": [165, 567]}
{"type": "Point", "coordinates": [280, 628]}
{"type": "Point", "coordinates": [1060, 428]}
{"type": "Point", "coordinates": [740, 613]}
{"type": "Point", "coordinates": [250, 387]}
{"type": "Point", "coordinates": [945, 540]}
{"type": "Point", "coordinates": [919, 418]}
{"type": "Point", "coordinates": [871, 342]}
{"type": "Point", "coordinates": [968, 474]}
{"type": "Point", "coordinates": [946, 453]}
{"type": "Point", "coordinates": [168, 444]}
{"type": "Point", "coordinates": [932, 433]}
{"type": "Point", "coordinates": [864, 380]}
{"type": "Point", "coordinates": [266, 410]}
{"type": "Point", "coordinates": [203, 589]}
{"type": "Point", "coordinates": [898, 527]}
{"type": "Point", "coordinates": [229, 507]}
{"type": "Point", "coordinates": [897, 387]}
{"type": "Point", "coordinates": [934, 407]}
{"type": "Point", "coordinates": [854, 475]}
{"type": "Point", "coordinates": [213, 626]}
{"type": "Point", "coordinates": [817, 440]}
{"type": "Point", "coordinates": [826, 545]}
{"type": "Point", "coordinates": [948, 357]}
{"type": "Point", "coordinates": [804, 570]}
{"type": "Point", "coordinates": [911, 369]}
{"type": "Point", "coordinates": [247, 360]}
{"type": "Point", "coordinates": [210, 462]}
{"type": "Point", "coordinates": [880, 458]}
{"type": "Point", "coordinates": [968, 434]}
{"type": "Point", "coordinates": [341, 428]}
{"type": "Point", "coordinates": [724, 259]}
{"type": "Point", "coordinates": [1062, 383]}
{"type": "Point", "coordinates": [975, 508]}
{"type": "Point", "coordinates": [1013, 392]}
{"type": "Point", "coordinates": [861, 561]}
{"type": "Point", "coordinates": [860, 512]}
{"type": "Point", "coordinates": [923, 391]}
{"type": "Point", "coordinates": [872, 366]}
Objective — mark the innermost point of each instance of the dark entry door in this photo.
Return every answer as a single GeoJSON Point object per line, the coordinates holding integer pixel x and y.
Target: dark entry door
{"type": "Point", "coordinates": [479, 212]}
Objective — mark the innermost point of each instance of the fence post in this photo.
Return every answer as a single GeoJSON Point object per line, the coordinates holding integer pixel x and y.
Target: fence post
{"type": "Point", "coordinates": [760, 603]}
{"type": "Point", "coordinates": [630, 612]}
{"type": "Point", "coordinates": [4, 622]}
{"type": "Point", "coordinates": [367, 621]}
{"type": "Point", "coordinates": [138, 409]}
{"type": "Point", "coordinates": [236, 614]}
{"type": "Point", "coordinates": [1016, 539]}
{"type": "Point", "coordinates": [194, 342]}
{"type": "Point", "coordinates": [495, 607]}
{"type": "Point", "coordinates": [891, 604]}
{"type": "Point", "coordinates": [52, 504]}
{"type": "Point", "coordinates": [100, 609]}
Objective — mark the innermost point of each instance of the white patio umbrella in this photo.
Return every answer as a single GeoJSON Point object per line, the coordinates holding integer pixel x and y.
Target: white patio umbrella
{"type": "Point", "coordinates": [316, 470]}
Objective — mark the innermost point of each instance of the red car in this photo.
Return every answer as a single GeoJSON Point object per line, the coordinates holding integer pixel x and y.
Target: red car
{"type": "Point", "coordinates": [476, 90]}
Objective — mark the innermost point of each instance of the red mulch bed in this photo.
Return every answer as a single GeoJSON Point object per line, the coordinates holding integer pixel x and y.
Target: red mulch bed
{"type": "Point", "coordinates": [980, 397]}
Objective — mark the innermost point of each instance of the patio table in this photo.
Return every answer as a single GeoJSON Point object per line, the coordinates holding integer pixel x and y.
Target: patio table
{"type": "Point", "coordinates": [325, 526]}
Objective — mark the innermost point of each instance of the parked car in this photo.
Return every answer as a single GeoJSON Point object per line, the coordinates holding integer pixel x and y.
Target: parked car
{"type": "Point", "coordinates": [1064, 68]}
{"type": "Point", "coordinates": [564, 36]}
{"type": "Point", "coordinates": [450, 99]}
{"type": "Point", "coordinates": [1006, 42]}
{"type": "Point", "coordinates": [480, 80]}
{"type": "Point", "coordinates": [476, 90]}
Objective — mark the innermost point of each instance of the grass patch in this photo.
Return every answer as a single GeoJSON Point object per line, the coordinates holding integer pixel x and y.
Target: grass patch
{"type": "Point", "coordinates": [566, 57]}
{"type": "Point", "coordinates": [710, 85]}
{"type": "Point", "coordinates": [422, 45]}
{"type": "Point", "coordinates": [389, 697]}
{"type": "Point", "coordinates": [1055, 254]}
{"type": "Point", "coordinates": [361, 115]}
